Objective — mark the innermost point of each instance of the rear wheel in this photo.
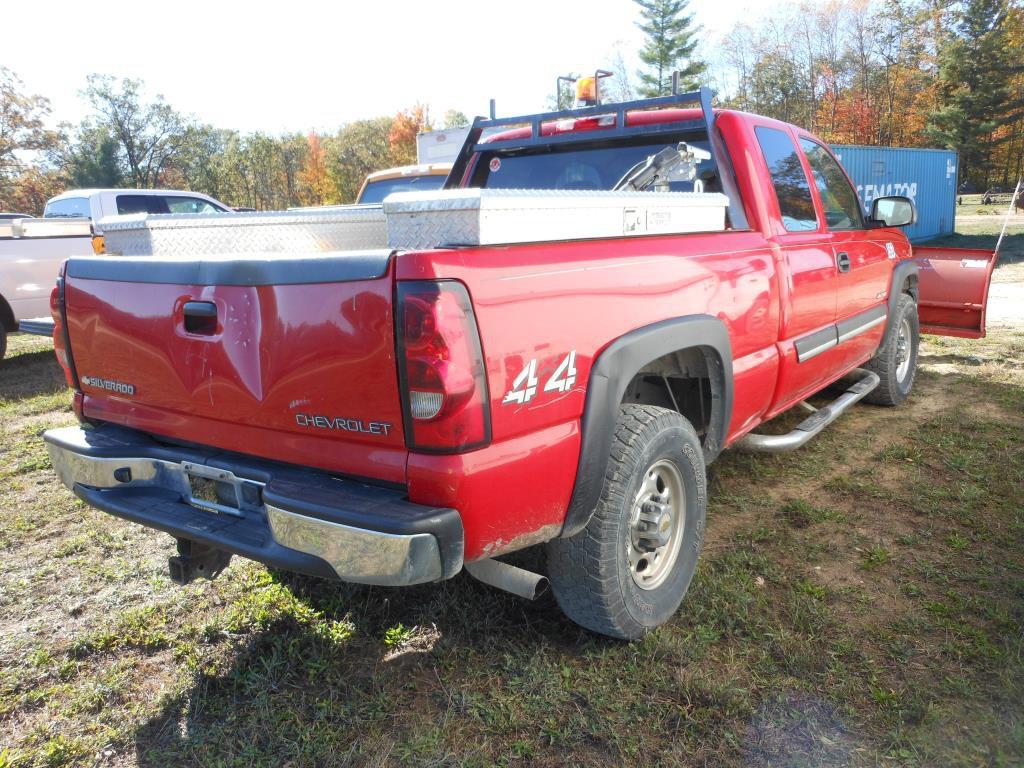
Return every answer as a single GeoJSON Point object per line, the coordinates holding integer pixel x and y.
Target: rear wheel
{"type": "Point", "coordinates": [896, 360]}
{"type": "Point", "coordinates": [628, 570]}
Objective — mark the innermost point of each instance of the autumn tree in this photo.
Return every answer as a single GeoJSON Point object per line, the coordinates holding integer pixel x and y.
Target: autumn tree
{"type": "Point", "coordinates": [314, 171]}
{"type": "Point", "coordinates": [670, 39]}
{"type": "Point", "coordinates": [23, 133]}
{"type": "Point", "coordinates": [402, 137]}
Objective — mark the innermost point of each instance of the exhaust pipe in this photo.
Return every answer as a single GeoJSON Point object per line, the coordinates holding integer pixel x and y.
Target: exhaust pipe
{"type": "Point", "coordinates": [510, 578]}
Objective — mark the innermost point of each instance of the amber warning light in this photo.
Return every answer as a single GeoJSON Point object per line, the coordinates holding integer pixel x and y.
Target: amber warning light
{"type": "Point", "coordinates": [588, 89]}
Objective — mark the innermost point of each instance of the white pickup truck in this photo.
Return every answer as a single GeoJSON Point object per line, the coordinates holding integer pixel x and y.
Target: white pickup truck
{"type": "Point", "coordinates": [32, 250]}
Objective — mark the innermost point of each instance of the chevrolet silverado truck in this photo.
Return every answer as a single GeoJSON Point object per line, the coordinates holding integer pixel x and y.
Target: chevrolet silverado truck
{"type": "Point", "coordinates": [548, 351]}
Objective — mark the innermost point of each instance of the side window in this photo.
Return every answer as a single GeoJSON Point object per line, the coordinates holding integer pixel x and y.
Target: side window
{"type": "Point", "coordinates": [69, 207]}
{"type": "Point", "coordinates": [140, 204]}
{"type": "Point", "coordinates": [842, 208]}
{"type": "Point", "coordinates": [178, 204]}
{"type": "Point", "coordinates": [791, 186]}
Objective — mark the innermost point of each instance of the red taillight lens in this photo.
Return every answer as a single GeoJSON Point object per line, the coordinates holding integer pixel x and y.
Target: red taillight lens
{"type": "Point", "coordinates": [57, 312]}
{"type": "Point", "coordinates": [441, 365]}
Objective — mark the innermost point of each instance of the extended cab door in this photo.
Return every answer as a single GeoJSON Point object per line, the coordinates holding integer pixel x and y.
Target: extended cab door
{"type": "Point", "coordinates": [807, 326]}
{"type": "Point", "coordinates": [863, 256]}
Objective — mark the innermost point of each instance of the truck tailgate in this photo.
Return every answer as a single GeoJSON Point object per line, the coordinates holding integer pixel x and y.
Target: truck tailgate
{"type": "Point", "coordinates": [287, 359]}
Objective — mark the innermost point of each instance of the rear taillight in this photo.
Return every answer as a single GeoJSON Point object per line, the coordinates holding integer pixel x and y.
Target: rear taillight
{"type": "Point", "coordinates": [60, 337]}
{"type": "Point", "coordinates": [441, 368]}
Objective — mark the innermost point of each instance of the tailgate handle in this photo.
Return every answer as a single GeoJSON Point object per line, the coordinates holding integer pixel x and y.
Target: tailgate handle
{"type": "Point", "coordinates": [200, 317]}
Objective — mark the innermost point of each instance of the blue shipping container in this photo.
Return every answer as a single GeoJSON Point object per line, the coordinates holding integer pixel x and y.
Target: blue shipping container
{"type": "Point", "coordinates": [926, 176]}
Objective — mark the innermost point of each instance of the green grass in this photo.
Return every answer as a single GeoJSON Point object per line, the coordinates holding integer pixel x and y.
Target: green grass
{"type": "Point", "coordinates": [852, 607]}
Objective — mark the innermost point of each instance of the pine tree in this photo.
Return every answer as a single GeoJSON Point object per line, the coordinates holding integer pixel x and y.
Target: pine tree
{"type": "Point", "coordinates": [975, 68]}
{"type": "Point", "coordinates": [671, 39]}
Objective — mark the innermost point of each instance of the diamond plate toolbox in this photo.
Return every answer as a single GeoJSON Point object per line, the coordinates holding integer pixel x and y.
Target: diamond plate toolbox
{"type": "Point", "coordinates": [340, 228]}
{"type": "Point", "coordinates": [417, 220]}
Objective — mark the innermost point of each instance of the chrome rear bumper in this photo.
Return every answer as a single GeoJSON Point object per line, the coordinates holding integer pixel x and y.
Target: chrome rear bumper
{"type": "Point", "coordinates": [286, 517]}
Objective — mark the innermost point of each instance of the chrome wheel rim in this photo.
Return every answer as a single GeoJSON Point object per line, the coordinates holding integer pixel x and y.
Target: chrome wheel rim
{"type": "Point", "coordinates": [903, 350]}
{"type": "Point", "coordinates": [656, 524]}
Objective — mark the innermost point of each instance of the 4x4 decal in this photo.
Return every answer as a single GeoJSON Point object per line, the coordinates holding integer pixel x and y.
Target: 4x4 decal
{"type": "Point", "coordinates": [524, 388]}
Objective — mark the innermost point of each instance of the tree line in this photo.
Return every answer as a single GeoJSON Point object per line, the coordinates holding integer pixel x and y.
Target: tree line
{"type": "Point", "coordinates": [918, 73]}
{"type": "Point", "coordinates": [130, 140]}
{"type": "Point", "coordinates": [911, 73]}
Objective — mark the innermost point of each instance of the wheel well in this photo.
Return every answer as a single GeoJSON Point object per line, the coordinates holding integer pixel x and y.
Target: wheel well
{"type": "Point", "coordinates": [681, 381]}
{"type": "Point", "coordinates": [910, 286]}
{"type": "Point", "coordinates": [7, 316]}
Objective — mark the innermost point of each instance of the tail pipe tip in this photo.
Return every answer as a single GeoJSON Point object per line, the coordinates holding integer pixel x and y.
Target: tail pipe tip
{"type": "Point", "coordinates": [509, 578]}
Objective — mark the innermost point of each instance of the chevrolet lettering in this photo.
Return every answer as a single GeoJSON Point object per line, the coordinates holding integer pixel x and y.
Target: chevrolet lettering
{"type": "Point", "coordinates": [343, 424]}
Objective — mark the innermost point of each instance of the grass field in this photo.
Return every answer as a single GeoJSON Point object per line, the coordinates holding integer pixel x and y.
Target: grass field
{"type": "Point", "coordinates": [858, 602]}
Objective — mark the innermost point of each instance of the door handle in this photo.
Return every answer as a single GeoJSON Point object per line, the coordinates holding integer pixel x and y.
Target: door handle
{"type": "Point", "coordinates": [200, 317]}
{"type": "Point", "coordinates": [843, 260]}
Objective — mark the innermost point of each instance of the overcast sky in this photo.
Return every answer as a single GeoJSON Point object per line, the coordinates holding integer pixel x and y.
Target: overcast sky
{"type": "Point", "coordinates": [314, 65]}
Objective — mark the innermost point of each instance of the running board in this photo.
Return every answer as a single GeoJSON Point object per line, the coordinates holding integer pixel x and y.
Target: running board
{"type": "Point", "coordinates": [814, 423]}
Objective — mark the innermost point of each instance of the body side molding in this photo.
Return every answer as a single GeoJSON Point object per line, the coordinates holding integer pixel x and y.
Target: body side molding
{"type": "Point", "coordinates": [614, 368]}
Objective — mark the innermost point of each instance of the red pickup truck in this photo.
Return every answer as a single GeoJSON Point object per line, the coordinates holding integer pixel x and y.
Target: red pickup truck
{"type": "Point", "coordinates": [550, 350]}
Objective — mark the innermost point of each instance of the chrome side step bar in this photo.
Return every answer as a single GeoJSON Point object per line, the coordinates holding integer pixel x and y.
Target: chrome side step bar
{"type": "Point", "coordinates": [814, 423]}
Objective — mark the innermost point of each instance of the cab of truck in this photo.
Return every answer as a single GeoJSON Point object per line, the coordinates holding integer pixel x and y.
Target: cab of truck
{"type": "Point", "coordinates": [97, 204]}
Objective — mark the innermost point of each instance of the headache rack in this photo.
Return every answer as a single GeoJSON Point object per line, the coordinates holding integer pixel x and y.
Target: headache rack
{"type": "Point", "coordinates": [621, 129]}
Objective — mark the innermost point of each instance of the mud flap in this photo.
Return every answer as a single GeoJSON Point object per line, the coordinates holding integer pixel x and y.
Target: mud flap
{"type": "Point", "coordinates": [953, 289]}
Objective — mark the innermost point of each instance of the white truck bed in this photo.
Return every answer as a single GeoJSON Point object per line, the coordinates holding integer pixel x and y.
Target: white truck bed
{"type": "Point", "coordinates": [31, 253]}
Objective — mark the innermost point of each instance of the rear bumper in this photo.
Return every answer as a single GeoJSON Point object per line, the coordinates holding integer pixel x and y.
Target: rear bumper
{"type": "Point", "coordinates": [40, 326]}
{"type": "Point", "coordinates": [283, 516]}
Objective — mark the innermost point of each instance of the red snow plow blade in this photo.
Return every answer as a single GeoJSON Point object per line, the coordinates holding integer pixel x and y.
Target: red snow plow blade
{"type": "Point", "coordinates": [954, 290]}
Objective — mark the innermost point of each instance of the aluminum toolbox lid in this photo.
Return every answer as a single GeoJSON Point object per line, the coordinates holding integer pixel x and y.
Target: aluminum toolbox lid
{"type": "Point", "coordinates": [327, 230]}
{"type": "Point", "coordinates": [323, 215]}
{"type": "Point", "coordinates": [532, 199]}
{"type": "Point", "coordinates": [474, 217]}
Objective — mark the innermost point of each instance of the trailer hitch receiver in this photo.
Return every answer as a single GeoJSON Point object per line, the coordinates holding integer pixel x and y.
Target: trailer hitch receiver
{"type": "Point", "coordinates": [196, 561]}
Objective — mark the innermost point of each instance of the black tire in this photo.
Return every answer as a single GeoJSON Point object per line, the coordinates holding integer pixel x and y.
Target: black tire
{"type": "Point", "coordinates": [894, 387]}
{"type": "Point", "coordinates": [3, 343]}
{"type": "Point", "coordinates": [591, 573]}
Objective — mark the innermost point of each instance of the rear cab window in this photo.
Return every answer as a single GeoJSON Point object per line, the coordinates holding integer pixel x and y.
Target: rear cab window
{"type": "Point", "coordinates": [127, 204]}
{"type": "Point", "coordinates": [376, 191]}
{"type": "Point", "coordinates": [792, 189]}
{"type": "Point", "coordinates": [69, 207]}
{"type": "Point", "coordinates": [592, 167]}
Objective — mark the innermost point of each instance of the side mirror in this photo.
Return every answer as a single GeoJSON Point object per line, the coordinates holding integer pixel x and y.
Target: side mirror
{"type": "Point", "coordinates": [893, 211]}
